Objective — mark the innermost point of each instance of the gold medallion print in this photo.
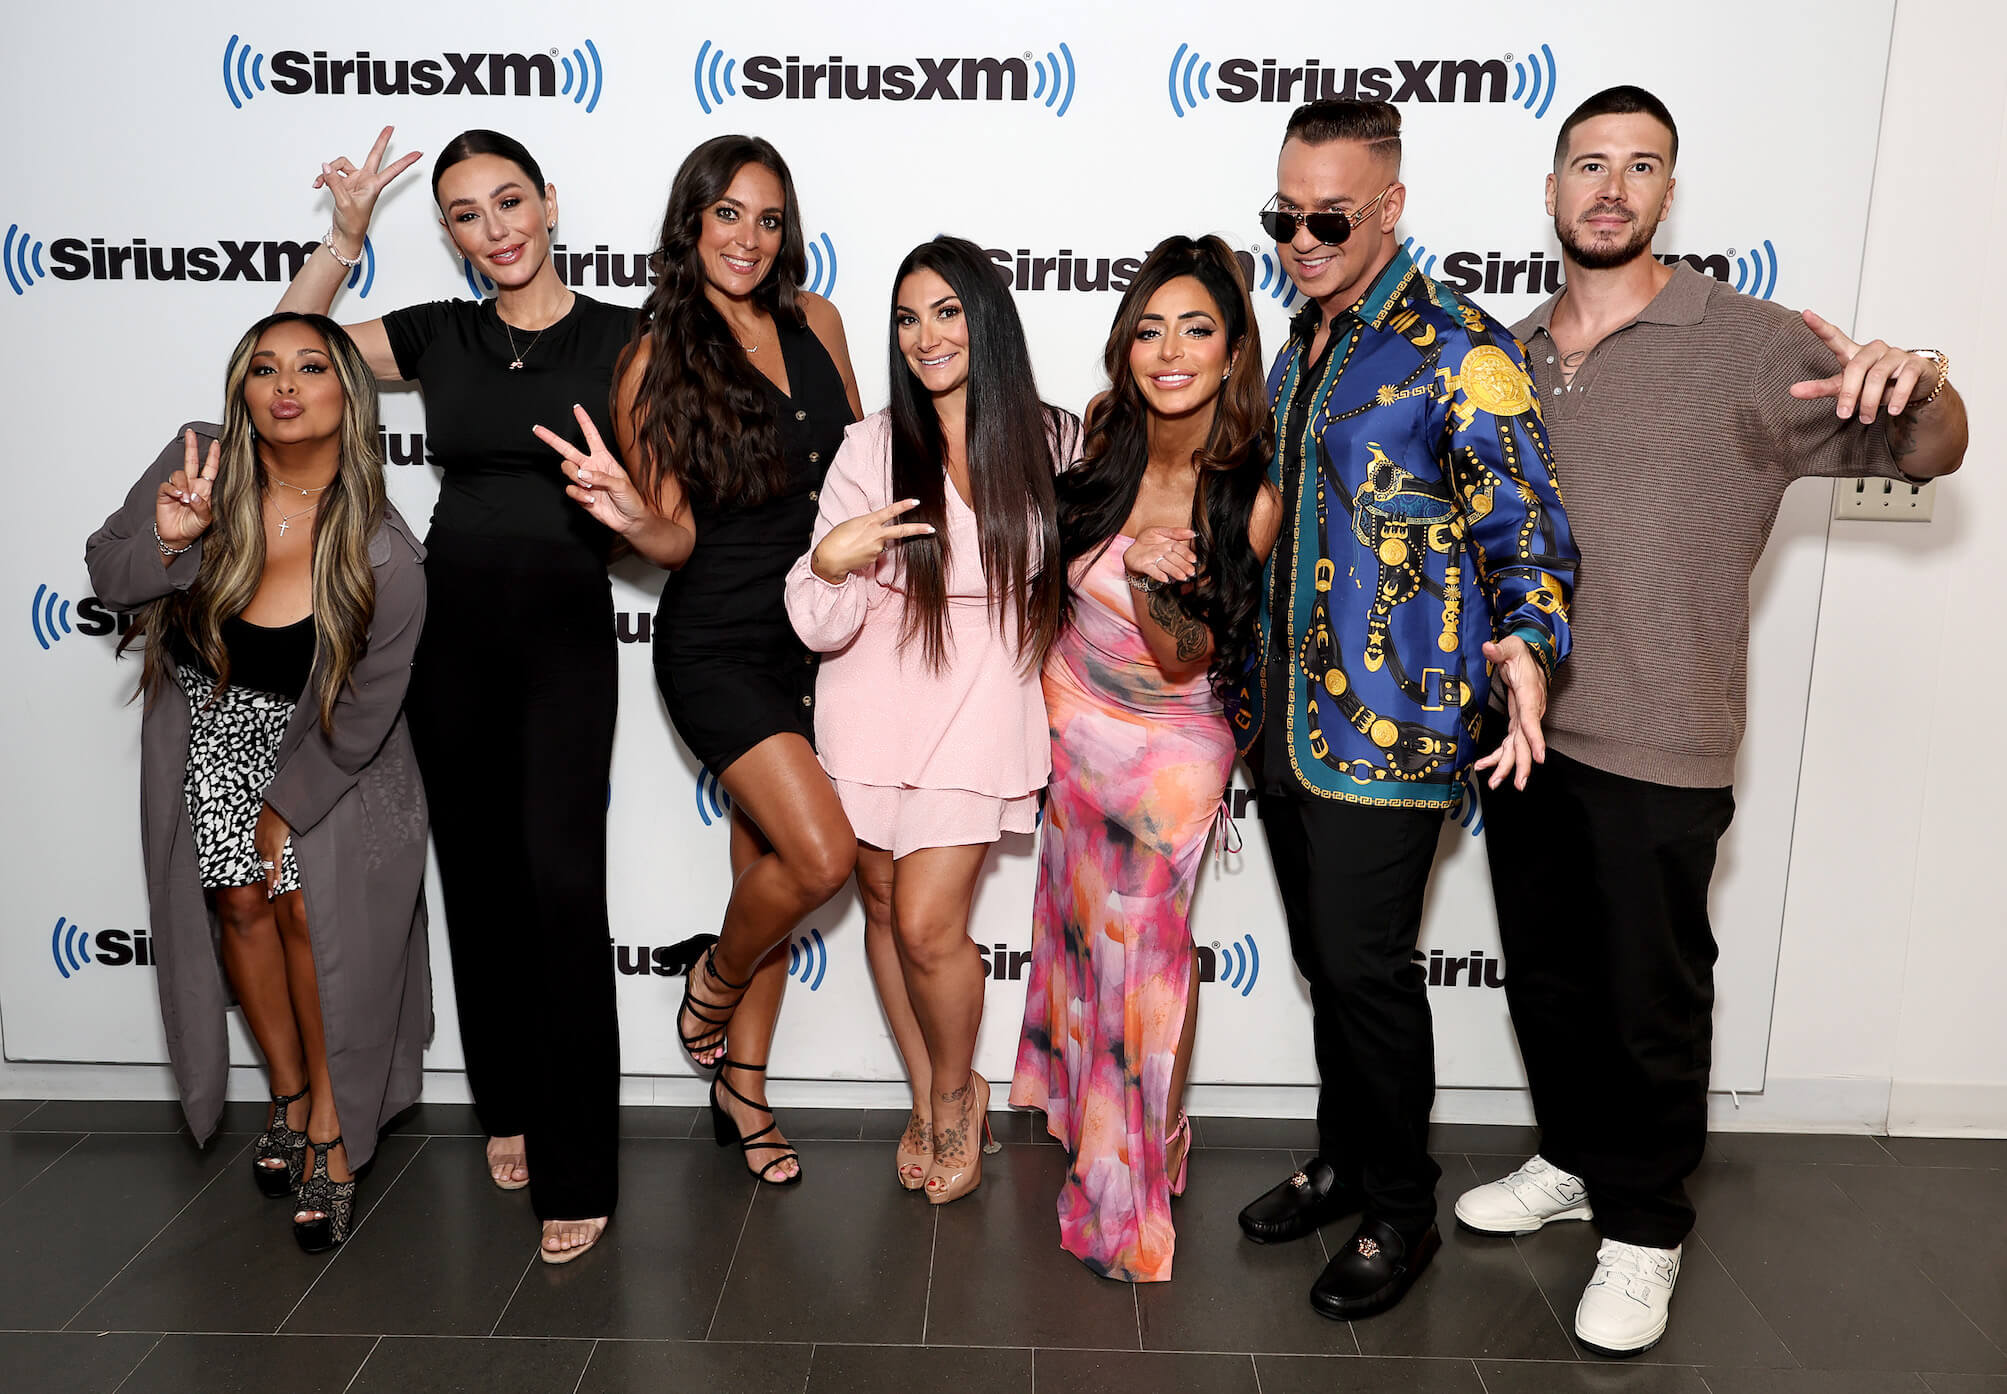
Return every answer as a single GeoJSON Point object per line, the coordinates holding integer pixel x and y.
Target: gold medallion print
{"type": "Point", "coordinates": [1493, 382]}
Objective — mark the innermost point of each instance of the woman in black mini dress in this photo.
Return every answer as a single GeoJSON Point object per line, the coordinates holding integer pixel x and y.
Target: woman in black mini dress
{"type": "Point", "coordinates": [731, 404]}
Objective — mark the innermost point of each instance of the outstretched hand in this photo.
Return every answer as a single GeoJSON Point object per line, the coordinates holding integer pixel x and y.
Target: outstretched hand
{"type": "Point", "coordinates": [1871, 376]}
{"type": "Point", "coordinates": [857, 542]}
{"type": "Point", "coordinates": [355, 190]}
{"type": "Point", "coordinates": [597, 480]}
{"type": "Point", "coordinates": [181, 511]}
{"type": "Point", "coordinates": [1525, 683]}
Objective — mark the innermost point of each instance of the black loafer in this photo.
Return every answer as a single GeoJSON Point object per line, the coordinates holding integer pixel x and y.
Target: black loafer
{"type": "Point", "coordinates": [1308, 1199]}
{"type": "Point", "coordinates": [1373, 1271]}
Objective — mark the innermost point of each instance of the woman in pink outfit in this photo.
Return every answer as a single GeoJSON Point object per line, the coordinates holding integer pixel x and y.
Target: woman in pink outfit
{"type": "Point", "coordinates": [927, 589]}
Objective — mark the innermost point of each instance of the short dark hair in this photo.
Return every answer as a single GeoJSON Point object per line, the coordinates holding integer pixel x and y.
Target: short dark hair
{"type": "Point", "coordinates": [1618, 101]}
{"type": "Point", "coordinates": [1374, 124]}
{"type": "Point", "coordinates": [468, 144]}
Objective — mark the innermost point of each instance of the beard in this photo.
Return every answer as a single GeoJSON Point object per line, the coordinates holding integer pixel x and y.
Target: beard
{"type": "Point", "coordinates": [1592, 257]}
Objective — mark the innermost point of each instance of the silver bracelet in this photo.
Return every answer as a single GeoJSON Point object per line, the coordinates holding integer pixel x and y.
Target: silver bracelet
{"type": "Point", "coordinates": [350, 263]}
{"type": "Point", "coordinates": [1149, 585]}
{"type": "Point", "coordinates": [165, 550]}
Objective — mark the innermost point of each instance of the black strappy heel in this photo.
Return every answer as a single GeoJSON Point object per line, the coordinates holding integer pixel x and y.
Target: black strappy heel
{"type": "Point", "coordinates": [334, 1199]}
{"type": "Point", "coordinates": [714, 1039]}
{"type": "Point", "coordinates": [279, 1143]}
{"type": "Point", "coordinates": [727, 1131]}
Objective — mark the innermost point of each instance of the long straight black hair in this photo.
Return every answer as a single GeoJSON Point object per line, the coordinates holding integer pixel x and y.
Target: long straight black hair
{"type": "Point", "coordinates": [1096, 498]}
{"type": "Point", "coordinates": [701, 413]}
{"type": "Point", "coordinates": [1012, 439]}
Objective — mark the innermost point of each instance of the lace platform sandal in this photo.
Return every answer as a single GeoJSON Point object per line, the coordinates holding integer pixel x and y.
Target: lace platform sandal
{"type": "Point", "coordinates": [279, 1144]}
{"type": "Point", "coordinates": [334, 1200]}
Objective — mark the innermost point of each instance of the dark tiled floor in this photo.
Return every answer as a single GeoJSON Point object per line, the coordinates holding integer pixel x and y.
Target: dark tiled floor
{"type": "Point", "coordinates": [131, 1262]}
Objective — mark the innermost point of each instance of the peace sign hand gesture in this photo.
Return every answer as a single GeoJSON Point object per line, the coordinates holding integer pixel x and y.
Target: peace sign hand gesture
{"type": "Point", "coordinates": [858, 542]}
{"type": "Point", "coordinates": [355, 190]}
{"type": "Point", "coordinates": [181, 511]}
{"type": "Point", "coordinates": [597, 480]}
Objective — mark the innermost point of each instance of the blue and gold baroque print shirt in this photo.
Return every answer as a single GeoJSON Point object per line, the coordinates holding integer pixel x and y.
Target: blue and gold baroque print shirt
{"type": "Point", "coordinates": [1421, 518]}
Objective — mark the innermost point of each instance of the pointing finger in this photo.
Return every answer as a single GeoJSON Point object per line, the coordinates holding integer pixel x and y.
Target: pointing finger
{"type": "Point", "coordinates": [188, 450]}
{"type": "Point", "coordinates": [909, 530]}
{"type": "Point", "coordinates": [214, 461]}
{"type": "Point", "coordinates": [402, 165]}
{"type": "Point", "coordinates": [1834, 339]}
{"type": "Point", "coordinates": [1817, 387]}
{"type": "Point", "coordinates": [374, 160]}
{"type": "Point", "coordinates": [893, 510]}
{"type": "Point", "coordinates": [559, 444]}
{"type": "Point", "coordinates": [591, 431]}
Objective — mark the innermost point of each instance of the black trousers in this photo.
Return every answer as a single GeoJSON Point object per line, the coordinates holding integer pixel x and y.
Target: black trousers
{"type": "Point", "coordinates": [512, 702]}
{"type": "Point", "coordinates": [1352, 878]}
{"type": "Point", "coordinates": [1601, 884]}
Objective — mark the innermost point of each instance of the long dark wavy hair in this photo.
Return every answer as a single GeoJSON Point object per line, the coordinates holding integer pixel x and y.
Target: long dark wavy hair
{"type": "Point", "coordinates": [233, 547]}
{"type": "Point", "coordinates": [1011, 438]}
{"type": "Point", "coordinates": [1095, 499]}
{"type": "Point", "coordinates": [701, 414]}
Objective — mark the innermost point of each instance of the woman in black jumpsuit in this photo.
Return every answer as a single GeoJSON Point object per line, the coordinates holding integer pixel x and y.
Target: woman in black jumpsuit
{"type": "Point", "coordinates": [513, 686]}
{"type": "Point", "coordinates": [730, 410]}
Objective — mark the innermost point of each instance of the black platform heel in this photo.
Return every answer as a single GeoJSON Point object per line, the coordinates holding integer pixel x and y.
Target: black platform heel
{"type": "Point", "coordinates": [713, 1039]}
{"type": "Point", "coordinates": [279, 1143]}
{"type": "Point", "coordinates": [727, 1132]}
{"type": "Point", "coordinates": [334, 1199]}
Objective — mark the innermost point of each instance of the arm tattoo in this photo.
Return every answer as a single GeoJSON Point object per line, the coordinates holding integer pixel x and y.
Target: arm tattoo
{"type": "Point", "coordinates": [1188, 634]}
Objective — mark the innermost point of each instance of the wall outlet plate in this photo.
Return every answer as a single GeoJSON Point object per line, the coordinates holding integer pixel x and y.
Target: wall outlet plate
{"type": "Point", "coordinates": [1883, 500]}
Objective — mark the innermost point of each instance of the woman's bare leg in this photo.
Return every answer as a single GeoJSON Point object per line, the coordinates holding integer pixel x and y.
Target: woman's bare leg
{"type": "Point", "coordinates": [1181, 1069]}
{"type": "Point", "coordinates": [932, 892]}
{"type": "Point", "coordinates": [874, 892]}
{"type": "Point", "coordinates": [303, 982]}
{"type": "Point", "coordinates": [255, 962]}
{"type": "Point", "coordinates": [751, 1036]}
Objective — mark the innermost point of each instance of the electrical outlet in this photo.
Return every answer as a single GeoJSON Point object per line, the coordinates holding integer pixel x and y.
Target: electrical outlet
{"type": "Point", "coordinates": [1883, 500]}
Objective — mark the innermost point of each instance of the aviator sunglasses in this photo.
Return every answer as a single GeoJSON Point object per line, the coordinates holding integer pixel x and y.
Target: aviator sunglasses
{"type": "Point", "coordinates": [1329, 228]}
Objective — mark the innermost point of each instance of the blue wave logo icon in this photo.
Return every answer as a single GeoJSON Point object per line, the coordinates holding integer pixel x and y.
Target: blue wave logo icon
{"type": "Point", "coordinates": [243, 72]}
{"type": "Point", "coordinates": [1061, 81]}
{"type": "Point", "coordinates": [364, 274]}
{"type": "Point", "coordinates": [1756, 270]}
{"type": "Point", "coordinates": [1188, 80]}
{"type": "Point", "coordinates": [1274, 282]}
{"type": "Point", "coordinates": [713, 77]}
{"type": "Point", "coordinates": [584, 77]}
{"type": "Point", "coordinates": [49, 617]}
{"type": "Point", "coordinates": [22, 254]}
{"type": "Point", "coordinates": [808, 959]}
{"type": "Point", "coordinates": [1421, 256]}
{"type": "Point", "coordinates": [821, 266]}
{"type": "Point", "coordinates": [1466, 810]}
{"type": "Point", "coordinates": [478, 285]}
{"type": "Point", "coordinates": [70, 947]}
{"type": "Point", "coordinates": [713, 803]}
{"type": "Point", "coordinates": [1240, 965]}
{"type": "Point", "coordinates": [1534, 80]}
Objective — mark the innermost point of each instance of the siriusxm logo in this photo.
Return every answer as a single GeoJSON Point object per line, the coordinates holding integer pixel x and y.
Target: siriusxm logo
{"type": "Point", "coordinates": [1753, 272]}
{"type": "Point", "coordinates": [1064, 271]}
{"type": "Point", "coordinates": [578, 76]}
{"type": "Point", "coordinates": [71, 946]}
{"type": "Point", "coordinates": [1476, 969]}
{"type": "Point", "coordinates": [808, 960]}
{"type": "Point", "coordinates": [602, 267]}
{"type": "Point", "coordinates": [49, 618]}
{"type": "Point", "coordinates": [403, 447]}
{"type": "Point", "coordinates": [78, 259]}
{"type": "Point", "coordinates": [1193, 79]}
{"type": "Point", "coordinates": [1271, 280]}
{"type": "Point", "coordinates": [713, 803]}
{"type": "Point", "coordinates": [717, 78]}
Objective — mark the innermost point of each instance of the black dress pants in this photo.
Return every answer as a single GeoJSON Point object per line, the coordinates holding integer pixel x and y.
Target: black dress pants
{"type": "Point", "coordinates": [512, 702]}
{"type": "Point", "coordinates": [1352, 878]}
{"type": "Point", "coordinates": [1601, 883]}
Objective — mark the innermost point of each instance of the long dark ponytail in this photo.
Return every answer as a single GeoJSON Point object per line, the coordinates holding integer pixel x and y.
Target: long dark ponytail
{"type": "Point", "coordinates": [1096, 498]}
{"type": "Point", "coordinates": [701, 414]}
{"type": "Point", "coordinates": [1011, 438]}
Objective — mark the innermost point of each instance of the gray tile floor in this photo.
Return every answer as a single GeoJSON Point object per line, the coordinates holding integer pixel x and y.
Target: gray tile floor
{"type": "Point", "coordinates": [130, 1261]}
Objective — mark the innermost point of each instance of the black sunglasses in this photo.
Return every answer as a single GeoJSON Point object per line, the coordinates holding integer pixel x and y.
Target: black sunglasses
{"type": "Point", "coordinates": [1329, 228]}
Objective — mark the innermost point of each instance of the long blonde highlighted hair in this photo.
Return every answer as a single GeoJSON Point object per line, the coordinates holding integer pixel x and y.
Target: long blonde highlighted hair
{"type": "Point", "coordinates": [233, 549]}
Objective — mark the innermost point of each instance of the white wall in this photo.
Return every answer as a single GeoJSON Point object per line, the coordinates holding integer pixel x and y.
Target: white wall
{"type": "Point", "coordinates": [1888, 991]}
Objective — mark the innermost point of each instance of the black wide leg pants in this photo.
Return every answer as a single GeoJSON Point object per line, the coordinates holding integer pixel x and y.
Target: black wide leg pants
{"type": "Point", "coordinates": [1601, 883]}
{"type": "Point", "coordinates": [1352, 878]}
{"type": "Point", "coordinates": [512, 703]}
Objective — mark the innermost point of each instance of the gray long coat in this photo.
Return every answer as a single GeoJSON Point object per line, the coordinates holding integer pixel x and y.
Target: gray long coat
{"type": "Point", "coordinates": [357, 811]}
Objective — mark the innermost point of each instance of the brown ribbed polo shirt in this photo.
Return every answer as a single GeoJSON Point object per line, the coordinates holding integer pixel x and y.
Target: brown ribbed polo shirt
{"type": "Point", "coordinates": [1674, 444]}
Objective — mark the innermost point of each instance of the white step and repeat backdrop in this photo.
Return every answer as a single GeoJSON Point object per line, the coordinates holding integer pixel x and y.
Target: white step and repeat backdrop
{"type": "Point", "coordinates": [158, 196]}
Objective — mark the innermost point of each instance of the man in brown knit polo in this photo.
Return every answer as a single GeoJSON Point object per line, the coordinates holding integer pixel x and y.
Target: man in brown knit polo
{"type": "Point", "coordinates": [1679, 410]}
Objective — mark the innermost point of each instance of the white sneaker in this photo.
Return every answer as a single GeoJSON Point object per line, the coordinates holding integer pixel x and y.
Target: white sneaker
{"type": "Point", "coordinates": [1524, 1201]}
{"type": "Point", "coordinates": [1623, 1310]}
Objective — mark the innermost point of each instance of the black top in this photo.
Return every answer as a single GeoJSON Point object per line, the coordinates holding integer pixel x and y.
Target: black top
{"type": "Point", "coordinates": [262, 659]}
{"type": "Point", "coordinates": [500, 480]}
{"type": "Point", "coordinates": [729, 598]}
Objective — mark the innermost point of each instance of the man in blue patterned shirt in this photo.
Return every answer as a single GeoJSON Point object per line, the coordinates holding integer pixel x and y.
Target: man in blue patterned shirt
{"type": "Point", "coordinates": [1424, 550]}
